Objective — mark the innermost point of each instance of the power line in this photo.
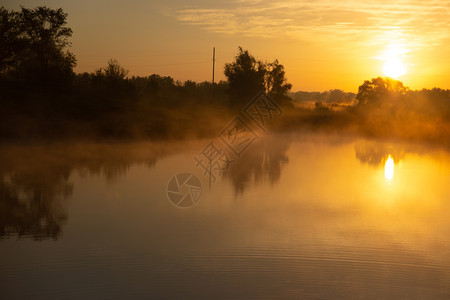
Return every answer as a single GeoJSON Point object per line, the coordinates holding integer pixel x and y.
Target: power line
{"type": "Point", "coordinates": [153, 65]}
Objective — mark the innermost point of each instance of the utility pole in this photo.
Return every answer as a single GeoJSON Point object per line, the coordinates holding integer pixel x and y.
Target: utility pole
{"type": "Point", "coordinates": [214, 60]}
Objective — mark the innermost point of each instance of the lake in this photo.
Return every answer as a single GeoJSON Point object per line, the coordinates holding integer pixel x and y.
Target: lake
{"type": "Point", "coordinates": [297, 215]}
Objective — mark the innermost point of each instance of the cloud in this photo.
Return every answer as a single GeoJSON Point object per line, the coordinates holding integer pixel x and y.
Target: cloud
{"type": "Point", "coordinates": [370, 23]}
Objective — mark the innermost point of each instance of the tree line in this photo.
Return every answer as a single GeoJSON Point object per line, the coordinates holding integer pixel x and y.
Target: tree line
{"type": "Point", "coordinates": [34, 50]}
{"type": "Point", "coordinates": [42, 96]}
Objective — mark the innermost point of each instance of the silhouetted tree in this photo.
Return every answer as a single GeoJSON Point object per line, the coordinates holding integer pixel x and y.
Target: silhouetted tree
{"type": "Point", "coordinates": [379, 89]}
{"type": "Point", "coordinates": [42, 36]}
{"type": "Point", "coordinates": [334, 96]}
{"type": "Point", "coordinates": [246, 77]}
{"type": "Point", "coordinates": [276, 83]}
{"type": "Point", "coordinates": [320, 107]}
{"type": "Point", "coordinates": [110, 83]}
{"type": "Point", "coordinates": [113, 70]}
{"type": "Point", "coordinates": [11, 43]}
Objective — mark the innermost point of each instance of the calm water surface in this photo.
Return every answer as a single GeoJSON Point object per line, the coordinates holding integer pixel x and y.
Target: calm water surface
{"type": "Point", "coordinates": [309, 217]}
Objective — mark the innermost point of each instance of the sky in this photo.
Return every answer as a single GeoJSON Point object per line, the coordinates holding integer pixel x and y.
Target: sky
{"type": "Point", "coordinates": [322, 44]}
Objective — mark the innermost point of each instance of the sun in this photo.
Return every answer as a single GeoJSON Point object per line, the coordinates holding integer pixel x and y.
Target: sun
{"type": "Point", "coordinates": [394, 68]}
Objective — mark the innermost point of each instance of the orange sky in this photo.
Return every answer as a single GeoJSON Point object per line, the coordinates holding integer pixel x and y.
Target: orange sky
{"type": "Point", "coordinates": [322, 44]}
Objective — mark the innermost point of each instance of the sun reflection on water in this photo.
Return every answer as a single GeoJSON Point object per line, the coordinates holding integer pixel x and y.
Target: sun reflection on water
{"type": "Point", "coordinates": [389, 170]}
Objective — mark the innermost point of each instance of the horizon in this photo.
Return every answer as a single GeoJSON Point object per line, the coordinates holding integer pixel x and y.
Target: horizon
{"type": "Point", "coordinates": [322, 46]}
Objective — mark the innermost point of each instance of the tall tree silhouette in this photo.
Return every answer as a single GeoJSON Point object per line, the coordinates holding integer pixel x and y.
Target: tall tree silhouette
{"type": "Point", "coordinates": [11, 43]}
{"type": "Point", "coordinates": [245, 77]}
{"type": "Point", "coordinates": [42, 36]}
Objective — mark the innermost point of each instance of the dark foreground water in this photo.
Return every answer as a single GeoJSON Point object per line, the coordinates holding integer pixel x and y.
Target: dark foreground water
{"type": "Point", "coordinates": [308, 217]}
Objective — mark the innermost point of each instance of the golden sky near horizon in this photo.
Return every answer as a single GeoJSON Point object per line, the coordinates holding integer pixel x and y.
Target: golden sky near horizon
{"type": "Point", "coordinates": [322, 44]}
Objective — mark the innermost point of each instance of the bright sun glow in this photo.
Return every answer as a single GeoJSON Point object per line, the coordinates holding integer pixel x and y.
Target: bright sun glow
{"type": "Point", "coordinates": [394, 66]}
{"type": "Point", "coordinates": [389, 169]}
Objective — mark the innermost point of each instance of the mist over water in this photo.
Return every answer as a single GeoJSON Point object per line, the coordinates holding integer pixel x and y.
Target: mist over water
{"type": "Point", "coordinates": [297, 215]}
{"type": "Point", "coordinates": [118, 185]}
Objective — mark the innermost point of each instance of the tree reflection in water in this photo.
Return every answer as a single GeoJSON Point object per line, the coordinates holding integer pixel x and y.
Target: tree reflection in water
{"type": "Point", "coordinates": [262, 162]}
{"type": "Point", "coordinates": [35, 181]}
{"type": "Point", "coordinates": [376, 154]}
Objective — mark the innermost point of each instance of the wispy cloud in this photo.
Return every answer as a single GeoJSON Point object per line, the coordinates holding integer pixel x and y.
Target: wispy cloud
{"type": "Point", "coordinates": [411, 23]}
